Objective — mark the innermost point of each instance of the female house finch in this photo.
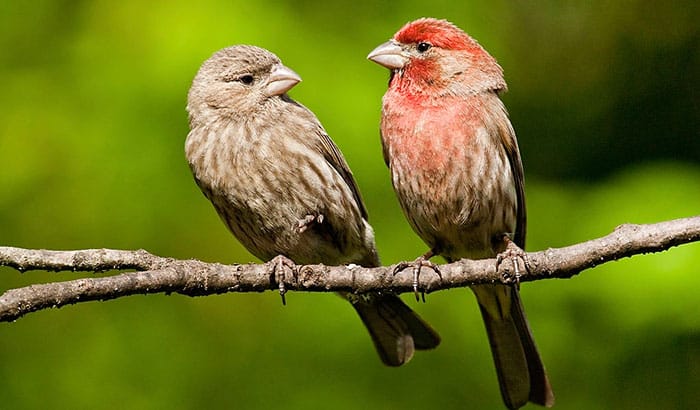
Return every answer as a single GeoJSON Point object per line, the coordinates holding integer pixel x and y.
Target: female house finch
{"type": "Point", "coordinates": [456, 169]}
{"type": "Point", "coordinates": [281, 185]}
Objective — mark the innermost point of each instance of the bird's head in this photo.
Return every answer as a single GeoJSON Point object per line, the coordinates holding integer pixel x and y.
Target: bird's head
{"type": "Point", "coordinates": [236, 81]}
{"type": "Point", "coordinates": [430, 55]}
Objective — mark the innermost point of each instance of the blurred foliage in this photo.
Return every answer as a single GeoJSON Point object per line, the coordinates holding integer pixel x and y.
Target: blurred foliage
{"type": "Point", "coordinates": [604, 97]}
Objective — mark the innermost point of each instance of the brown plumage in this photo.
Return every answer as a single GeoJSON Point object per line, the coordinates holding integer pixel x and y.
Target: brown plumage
{"type": "Point", "coordinates": [457, 171]}
{"type": "Point", "coordinates": [281, 185]}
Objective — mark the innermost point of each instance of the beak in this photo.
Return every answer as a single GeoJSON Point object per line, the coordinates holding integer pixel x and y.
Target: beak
{"type": "Point", "coordinates": [281, 80]}
{"type": "Point", "coordinates": [390, 55]}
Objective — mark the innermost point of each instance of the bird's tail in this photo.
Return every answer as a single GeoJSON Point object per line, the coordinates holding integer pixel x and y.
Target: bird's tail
{"type": "Point", "coordinates": [396, 330]}
{"type": "Point", "coordinates": [521, 373]}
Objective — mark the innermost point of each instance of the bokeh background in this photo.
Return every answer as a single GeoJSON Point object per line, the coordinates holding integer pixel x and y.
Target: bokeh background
{"type": "Point", "coordinates": [604, 97]}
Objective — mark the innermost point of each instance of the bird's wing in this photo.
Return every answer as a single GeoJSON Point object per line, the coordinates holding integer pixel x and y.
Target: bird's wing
{"type": "Point", "coordinates": [510, 143]}
{"type": "Point", "coordinates": [334, 157]}
{"type": "Point", "coordinates": [385, 150]}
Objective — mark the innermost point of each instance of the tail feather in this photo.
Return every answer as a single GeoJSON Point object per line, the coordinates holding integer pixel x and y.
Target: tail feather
{"type": "Point", "coordinates": [540, 390]}
{"type": "Point", "coordinates": [396, 330]}
{"type": "Point", "coordinates": [521, 373]}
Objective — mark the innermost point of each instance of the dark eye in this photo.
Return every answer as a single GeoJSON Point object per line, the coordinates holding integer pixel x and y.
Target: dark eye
{"type": "Point", "coordinates": [422, 47]}
{"type": "Point", "coordinates": [246, 79]}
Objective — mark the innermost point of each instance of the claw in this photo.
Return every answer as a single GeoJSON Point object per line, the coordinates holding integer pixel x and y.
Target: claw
{"type": "Point", "coordinates": [417, 264]}
{"type": "Point", "coordinates": [304, 223]}
{"type": "Point", "coordinates": [277, 270]}
{"type": "Point", "coordinates": [517, 255]}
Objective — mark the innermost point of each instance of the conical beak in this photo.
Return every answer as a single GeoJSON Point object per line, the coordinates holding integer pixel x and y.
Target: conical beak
{"type": "Point", "coordinates": [390, 55]}
{"type": "Point", "coordinates": [281, 80]}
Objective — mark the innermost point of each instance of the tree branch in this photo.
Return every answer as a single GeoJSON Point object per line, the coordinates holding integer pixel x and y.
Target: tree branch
{"type": "Point", "coordinates": [195, 278]}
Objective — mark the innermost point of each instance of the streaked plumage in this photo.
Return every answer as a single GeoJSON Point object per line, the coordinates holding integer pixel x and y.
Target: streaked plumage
{"type": "Point", "coordinates": [281, 185]}
{"type": "Point", "coordinates": [457, 172]}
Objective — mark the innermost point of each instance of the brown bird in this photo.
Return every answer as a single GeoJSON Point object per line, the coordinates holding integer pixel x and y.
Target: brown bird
{"type": "Point", "coordinates": [456, 169]}
{"type": "Point", "coordinates": [282, 187]}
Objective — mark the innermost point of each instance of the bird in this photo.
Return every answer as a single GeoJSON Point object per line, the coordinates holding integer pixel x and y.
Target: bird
{"type": "Point", "coordinates": [282, 186]}
{"type": "Point", "coordinates": [457, 171]}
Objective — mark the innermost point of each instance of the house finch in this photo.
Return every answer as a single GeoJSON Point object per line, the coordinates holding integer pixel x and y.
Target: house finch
{"type": "Point", "coordinates": [281, 185]}
{"type": "Point", "coordinates": [456, 169]}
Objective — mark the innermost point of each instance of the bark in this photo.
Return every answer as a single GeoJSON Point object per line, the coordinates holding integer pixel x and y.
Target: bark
{"type": "Point", "coordinates": [155, 274]}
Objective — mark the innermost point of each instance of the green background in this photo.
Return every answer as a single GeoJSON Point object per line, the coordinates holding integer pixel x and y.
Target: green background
{"type": "Point", "coordinates": [605, 100]}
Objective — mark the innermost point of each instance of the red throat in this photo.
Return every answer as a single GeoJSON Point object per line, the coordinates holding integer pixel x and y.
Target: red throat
{"type": "Point", "coordinates": [417, 78]}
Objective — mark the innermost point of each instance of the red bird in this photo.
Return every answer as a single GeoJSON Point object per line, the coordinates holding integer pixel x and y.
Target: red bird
{"type": "Point", "coordinates": [456, 169]}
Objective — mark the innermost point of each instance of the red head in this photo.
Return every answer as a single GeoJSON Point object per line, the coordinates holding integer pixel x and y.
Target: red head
{"type": "Point", "coordinates": [439, 33]}
{"type": "Point", "coordinates": [430, 55]}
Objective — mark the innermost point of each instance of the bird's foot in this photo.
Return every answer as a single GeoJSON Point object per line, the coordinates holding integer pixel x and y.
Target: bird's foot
{"type": "Point", "coordinates": [518, 257]}
{"type": "Point", "coordinates": [304, 223]}
{"type": "Point", "coordinates": [420, 262]}
{"type": "Point", "coordinates": [279, 268]}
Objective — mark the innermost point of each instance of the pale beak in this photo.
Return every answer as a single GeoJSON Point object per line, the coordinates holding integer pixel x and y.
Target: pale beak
{"type": "Point", "coordinates": [281, 80]}
{"type": "Point", "coordinates": [390, 55]}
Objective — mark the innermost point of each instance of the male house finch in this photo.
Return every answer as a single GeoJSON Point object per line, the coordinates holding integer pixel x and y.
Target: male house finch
{"type": "Point", "coordinates": [456, 169]}
{"type": "Point", "coordinates": [281, 185]}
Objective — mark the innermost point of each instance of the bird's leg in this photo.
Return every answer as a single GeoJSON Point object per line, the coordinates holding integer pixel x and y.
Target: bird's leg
{"type": "Point", "coordinates": [278, 267]}
{"type": "Point", "coordinates": [515, 254]}
{"type": "Point", "coordinates": [308, 220]}
{"type": "Point", "coordinates": [421, 261]}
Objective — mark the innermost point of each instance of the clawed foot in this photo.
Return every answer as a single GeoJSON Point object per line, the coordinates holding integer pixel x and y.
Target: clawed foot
{"type": "Point", "coordinates": [518, 256]}
{"type": "Point", "coordinates": [304, 223]}
{"type": "Point", "coordinates": [279, 266]}
{"type": "Point", "coordinates": [417, 265]}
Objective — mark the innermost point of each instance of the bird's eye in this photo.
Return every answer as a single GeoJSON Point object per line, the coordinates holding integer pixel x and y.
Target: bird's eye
{"type": "Point", "coordinates": [422, 47]}
{"type": "Point", "coordinates": [246, 79]}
